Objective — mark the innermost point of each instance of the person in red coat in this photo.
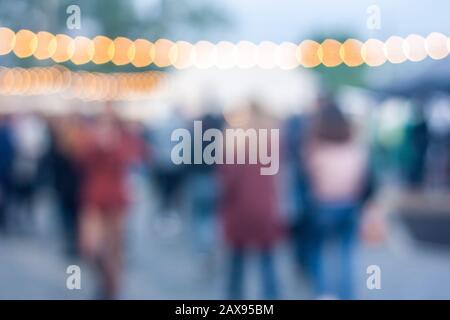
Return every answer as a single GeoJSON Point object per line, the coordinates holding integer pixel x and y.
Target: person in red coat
{"type": "Point", "coordinates": [105, 161]}
{"type": "Point", "coordinates": [250, 214]}
{"type": "Point", "coordinates": [250, 217]}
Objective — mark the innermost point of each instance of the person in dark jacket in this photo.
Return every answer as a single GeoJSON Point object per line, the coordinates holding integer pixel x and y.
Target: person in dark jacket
{"type": "Point", "coordinates": [6, 163]}
{"type": "Point", "coordinates": [67, 176]}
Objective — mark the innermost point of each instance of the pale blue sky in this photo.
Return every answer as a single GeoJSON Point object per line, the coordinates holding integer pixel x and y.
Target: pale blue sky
{"type": "Point", "coordinates": [290, 20]}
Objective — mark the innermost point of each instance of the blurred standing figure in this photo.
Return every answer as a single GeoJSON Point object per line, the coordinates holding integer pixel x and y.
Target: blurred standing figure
{"type": "Point", "coordinates": [336, 166]}
{"type": "Point", "coordinates": [296, 184]}
{"type": "Point", "coordinates": [31, 142]}
{"type": "Point", "coordinates": [250, 214]}
{"type": "Point", "coordinates": [103, 197]}
{"type": "Point", "coordinates": [6, 163]}
{"type": "Point", "coordinates": [415, 146]}
{"type": "Point", "coordinates": [169, 177]}
{"type": "Point", "coordinates": [204, 194]}
{"type": "Point", "coordinates": [66, 135]}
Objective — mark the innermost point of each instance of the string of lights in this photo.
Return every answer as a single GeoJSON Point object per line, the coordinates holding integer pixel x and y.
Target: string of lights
{"type": "Point", "coordinates": [89, 86]}
{"type": "Point", "coordinates": [223, 55]}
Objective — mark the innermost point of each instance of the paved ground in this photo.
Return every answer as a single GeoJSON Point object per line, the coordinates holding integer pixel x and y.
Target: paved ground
{"type": "Point", "coordinates": [167, 267]}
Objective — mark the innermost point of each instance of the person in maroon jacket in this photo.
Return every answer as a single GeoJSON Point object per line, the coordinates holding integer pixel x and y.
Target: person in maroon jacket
{"type": "Point", "coordinates": [250, 217]}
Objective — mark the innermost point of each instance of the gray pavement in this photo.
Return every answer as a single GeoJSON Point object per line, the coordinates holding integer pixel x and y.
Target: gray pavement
{"type": "Point", "coordinates": [160, 266]}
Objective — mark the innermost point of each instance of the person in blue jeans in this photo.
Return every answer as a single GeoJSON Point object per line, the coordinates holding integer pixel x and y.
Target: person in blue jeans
{"type": "Point", "coordinates": [333, 223]}
{"type": "Point", "coordinates": [267, 272]}
{"type": "Point", "coordinates": [337, 166]}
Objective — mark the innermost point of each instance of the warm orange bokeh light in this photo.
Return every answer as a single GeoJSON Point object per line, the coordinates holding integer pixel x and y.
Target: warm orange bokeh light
{"type": "Point", "coordinates": [57, 79]}
{"type": "Point", "coordinates": [24, 86]}
{"type": "Point", "coordinates": [103, 50]}
{"type": "Point", "coordinates": [224, 55]}
{"type": "Point", "coordinates": [7, 40]}
{"type": "Point", "coordinates": [64, 48]}
{"type": "Point", "coordinates": [83, 50]}
{"type": "Point", "coordinates": [46, 45]}
{"type": "Point", "coordinates": [89, 84]}
{"type": "Point", "coordinates": [309, 52]}
{"type": "Point", "coordinates": [124, 51]}
{"type": "Point", "coordinates": [6, 81]}
{"type": "Point", "coordinates": [82, 85]}
{"type": "Point", "coordinates": [145, 53]}
{"type": "Point", "coordinates": [373, 53]}
{"type": "Point", "coordinates": [329, 53]}
{"type": "Point", "coordinates": [34, 82]}
{"type": "Point", "coordinates": [351, 53]}
{"type": "Point", "coordinates": [26, 44]}
{"type": "Point", "coordinates": [163, 50]}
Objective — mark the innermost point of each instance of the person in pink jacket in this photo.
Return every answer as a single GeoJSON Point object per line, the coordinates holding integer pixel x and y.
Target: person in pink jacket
{"type": "Point", "coordinates": [337, 170]}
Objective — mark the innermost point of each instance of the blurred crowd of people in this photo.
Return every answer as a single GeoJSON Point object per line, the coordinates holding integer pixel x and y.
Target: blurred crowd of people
{"type": "Point", "coordinates": [328, 175]}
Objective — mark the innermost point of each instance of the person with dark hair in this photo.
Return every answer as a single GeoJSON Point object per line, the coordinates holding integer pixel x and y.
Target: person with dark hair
{"type": "Point", "coordinates": [336, 167]}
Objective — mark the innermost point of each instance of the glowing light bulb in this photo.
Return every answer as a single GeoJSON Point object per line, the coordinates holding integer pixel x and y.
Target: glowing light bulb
{"type": "Point", "coordinates": [350, 53]}
{"type": "Point", "coordinates": [286, 56]}
{"type": "Point", "coordinates": [373, 53]}
{"type": "Point", "coordinates": [205, 54]}
{"type": "Point", "coordinates": [124, 51]}
{"type": "Point", "coordinates": [26, 44]}
{"type": "Point", "coordinates": [64, 48]}
{"type": "Point", "coordinates": [46, 45]}
{"type": "Point", "coordinates": [226, 55]}
{"type": "Point", "coordinates": [182, 55]}
{"type": "Point", "coordinates": [436, 46]}
{"type": "Point", "coordinates": [267, 55]}
{"type": "Point", "coordinates": [414, 48]}
{"type": "Point", "coordinates": [163, 49]}
{"type": "Point", "coordinates": [104, 50]}
{"type": "Point", "coordinates": [394, 49]}
{"type": "Point", "coordinates": [83, 50]}
{"type": "Point", "coordinates": [329, 53]}
{"type": "Point", "coordinates": [7, 40]}
{"type": "Point", "coordinates": [309, 51]}
{"type": "Point", "coordinates": [145, 53]}
{"type": "Point", "coordinates": [246, 54]}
